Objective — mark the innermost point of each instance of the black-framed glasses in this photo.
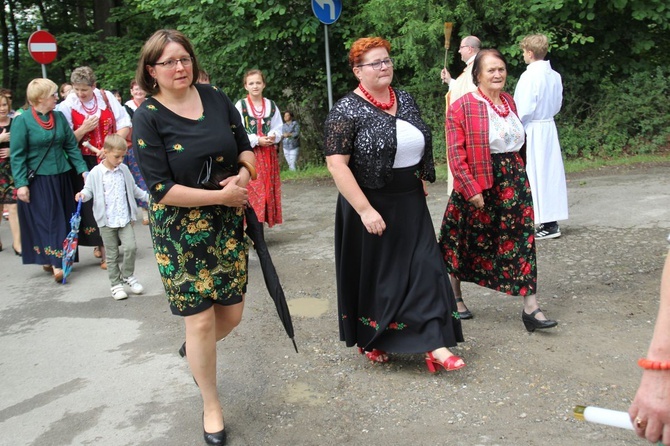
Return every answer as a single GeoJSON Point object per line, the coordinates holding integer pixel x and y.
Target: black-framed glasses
{"type": "Point", "coordinates": [172, 63]}
{"type": "Point", "coordinates": [377, 64]}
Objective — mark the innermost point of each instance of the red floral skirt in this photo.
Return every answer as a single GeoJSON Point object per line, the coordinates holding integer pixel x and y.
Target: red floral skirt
{"type": "Point", "coordinates": [265, 190]}
{"type": "Point", "coordinates": [494, 247]}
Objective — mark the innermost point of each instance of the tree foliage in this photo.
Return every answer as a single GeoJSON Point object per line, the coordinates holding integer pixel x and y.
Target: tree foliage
{"type": "Point", "coordinates": [596, 45]}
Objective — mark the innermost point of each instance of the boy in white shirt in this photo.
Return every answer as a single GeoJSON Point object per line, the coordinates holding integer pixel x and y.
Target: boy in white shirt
{"type": "Point", "coordinates": [113, 190]}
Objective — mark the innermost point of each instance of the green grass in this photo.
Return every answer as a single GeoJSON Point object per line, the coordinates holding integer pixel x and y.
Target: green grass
{"type": "Point", "coordinates": [313, 172]}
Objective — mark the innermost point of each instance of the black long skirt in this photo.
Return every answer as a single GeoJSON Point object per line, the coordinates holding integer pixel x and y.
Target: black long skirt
{"type": "Point", "coordinates": [393, 290]}
{"type": "Point", "coordinates": [45, 221]}
{"type": "Point", "coordinates": [89, 234]}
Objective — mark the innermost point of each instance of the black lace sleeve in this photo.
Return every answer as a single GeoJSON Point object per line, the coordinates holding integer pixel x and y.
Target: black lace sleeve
{"type": "Point", "coordinates": [340, 130]}
{"type": "Point", "coordinates": [357, 128]}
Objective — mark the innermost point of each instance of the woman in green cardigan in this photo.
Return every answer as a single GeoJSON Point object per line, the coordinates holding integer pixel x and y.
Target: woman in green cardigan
{"type": "Point", "coordinates": [42, 141]}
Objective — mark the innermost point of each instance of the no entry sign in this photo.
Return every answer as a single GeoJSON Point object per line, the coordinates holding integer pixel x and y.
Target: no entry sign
{"type": "Point", "coordinates": [42, 47]}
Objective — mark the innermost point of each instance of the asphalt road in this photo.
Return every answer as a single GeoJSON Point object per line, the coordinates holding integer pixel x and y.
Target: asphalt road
{"type": "Point", "coordinates": [78, 368]}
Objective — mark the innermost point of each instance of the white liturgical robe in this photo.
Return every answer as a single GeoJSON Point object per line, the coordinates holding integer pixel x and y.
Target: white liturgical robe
{"type": "Point", "coordinates": [538, 97]}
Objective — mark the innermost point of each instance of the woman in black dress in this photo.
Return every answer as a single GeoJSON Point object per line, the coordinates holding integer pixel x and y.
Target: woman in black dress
{"type": "Point", "coordinates": [198, 234]}
{"type": "Point", "coordinates": [393, 291]}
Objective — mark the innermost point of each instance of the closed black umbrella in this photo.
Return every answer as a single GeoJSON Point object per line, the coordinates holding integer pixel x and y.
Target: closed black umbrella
{"type": "Point", "coordinates": [255, 232]}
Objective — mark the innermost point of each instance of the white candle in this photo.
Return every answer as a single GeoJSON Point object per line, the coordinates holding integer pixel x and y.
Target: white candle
{"type": "Point", "coordinates": [603, 416]}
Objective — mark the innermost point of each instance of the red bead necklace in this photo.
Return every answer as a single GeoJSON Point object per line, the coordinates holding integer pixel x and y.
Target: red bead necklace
{"type": "Point", "coordinates": [93, 110]}
{"type": "Point", "coordinates": [496, 108]}
{"type": "Point", "coordinates": [49, 124]}
{"type": "Point", "coordinates": [376, 103]}
{"type": "Point", "coordinates": [258, 116]}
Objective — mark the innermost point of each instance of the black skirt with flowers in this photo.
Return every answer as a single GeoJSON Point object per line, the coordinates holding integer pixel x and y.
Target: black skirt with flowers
{"type": "Point", "coordinates": [494, 247]}
{"type": "Point", "coordinates": [202, 255]}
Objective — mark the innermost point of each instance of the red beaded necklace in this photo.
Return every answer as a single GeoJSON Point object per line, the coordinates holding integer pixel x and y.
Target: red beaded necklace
{"type": "Point", "coordinates": [49, 124]}
{"type": "Point", "coordinates": [376, 103]}
{"type": "Point", "coordinates": [93, 110]}
{"type": "Point", "coordinates": [258, 116]}
{"type": "Point", "coordinates": [496, 108]}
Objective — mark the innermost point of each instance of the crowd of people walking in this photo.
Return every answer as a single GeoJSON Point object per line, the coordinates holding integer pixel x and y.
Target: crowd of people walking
{"type": "Point", "coordinates": [398, 284]}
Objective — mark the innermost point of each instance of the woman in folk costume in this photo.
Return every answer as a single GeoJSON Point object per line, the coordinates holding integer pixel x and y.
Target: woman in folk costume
{"type": "Point", "coordinates": [263, 122]}
{"type": "Point", "coordinates": [92, 114]}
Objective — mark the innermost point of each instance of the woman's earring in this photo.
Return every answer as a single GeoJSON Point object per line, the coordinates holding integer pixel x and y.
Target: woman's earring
{"type": "Point", "coordinates": [155, 83]}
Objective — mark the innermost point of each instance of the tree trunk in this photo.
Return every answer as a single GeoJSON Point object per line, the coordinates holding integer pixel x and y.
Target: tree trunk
{"type": "Point", "coordinates": [101, 11]}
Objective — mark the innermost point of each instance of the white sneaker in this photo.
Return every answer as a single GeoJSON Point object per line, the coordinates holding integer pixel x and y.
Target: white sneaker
{"type": "Point", "coordinates": [135, 286]}
{"type": "Point", "coordinates": [118, 293]}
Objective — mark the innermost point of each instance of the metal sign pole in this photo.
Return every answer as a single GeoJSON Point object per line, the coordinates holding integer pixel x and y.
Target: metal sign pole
{"type": "Point", "coordinates": [44, 68]}
{"type": "Point", "coordinates": [330, 87]}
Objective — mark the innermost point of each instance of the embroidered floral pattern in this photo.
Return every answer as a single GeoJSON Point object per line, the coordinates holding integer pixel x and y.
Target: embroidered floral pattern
{"type": "Point", "coordinates": [372, 323]}
{"type": "Point", "coordinates": [178, 147]}
{"type": "Point", "coordinates": [141, 144]}
{"type": "Point", "coordinates": [152, 107]}
{"type": "Point", "coordinates": [200, 252]}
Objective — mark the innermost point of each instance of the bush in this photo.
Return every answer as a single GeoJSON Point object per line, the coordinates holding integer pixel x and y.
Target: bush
{"type": "Point", "coordinates": [629, 118]}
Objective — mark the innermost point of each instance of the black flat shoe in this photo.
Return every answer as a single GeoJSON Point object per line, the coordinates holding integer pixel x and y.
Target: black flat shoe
{"type": "Point", "coordinates": [533, 323]}
{"type": "Point", "coordinates": [217, 438]}
{"type": "Point", "coordinates": [464, 314]}
{"type": "Point", "coordinates": [182, 350]}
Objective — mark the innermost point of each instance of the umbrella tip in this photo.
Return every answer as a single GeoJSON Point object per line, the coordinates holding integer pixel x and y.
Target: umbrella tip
{"type": "Point", "coordinates": [294, 345]}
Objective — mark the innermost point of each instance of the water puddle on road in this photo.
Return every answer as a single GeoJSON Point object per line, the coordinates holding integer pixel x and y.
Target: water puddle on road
{"type": "Point", "coordinates": [300, 393]}
{"type": "Point", "coordinates": [308, 307]}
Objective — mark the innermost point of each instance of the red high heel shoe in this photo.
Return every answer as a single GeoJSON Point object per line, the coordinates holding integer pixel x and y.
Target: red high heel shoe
{"type": "Point", "coordinates": [375, 355]}
{"type": "Point", "coordinates": [449, 364]}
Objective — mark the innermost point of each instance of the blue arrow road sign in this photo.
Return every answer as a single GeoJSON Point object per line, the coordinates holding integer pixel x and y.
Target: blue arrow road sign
{"type": "Point", "coordinates": [327, 11]}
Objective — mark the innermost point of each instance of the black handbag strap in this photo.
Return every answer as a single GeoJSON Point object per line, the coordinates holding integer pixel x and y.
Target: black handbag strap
{"type": "Point", "coordinates": [53, 138]}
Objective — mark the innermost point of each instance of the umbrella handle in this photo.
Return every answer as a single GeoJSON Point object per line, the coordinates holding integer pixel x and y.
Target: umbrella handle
{"type": "Point", "coordinates": [79, 205]}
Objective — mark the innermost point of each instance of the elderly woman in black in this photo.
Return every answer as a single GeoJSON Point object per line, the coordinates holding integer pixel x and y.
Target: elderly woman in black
{"type": "Point", "coordinates": [393, 292]}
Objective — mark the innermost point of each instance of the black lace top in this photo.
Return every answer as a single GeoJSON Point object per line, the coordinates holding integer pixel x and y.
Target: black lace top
{"type": "Point", "coordinates": [357, 128]}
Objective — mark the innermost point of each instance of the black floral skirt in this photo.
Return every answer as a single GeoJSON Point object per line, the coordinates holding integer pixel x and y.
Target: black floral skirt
{"type": "Point", "coordinates": [494, 247]}
{"type": "Point", "coordinates": [393, 291]}
{"type": "Point", "coordinates": [7, 190]}
{"type": "Point", "coordinates": [202, 255]}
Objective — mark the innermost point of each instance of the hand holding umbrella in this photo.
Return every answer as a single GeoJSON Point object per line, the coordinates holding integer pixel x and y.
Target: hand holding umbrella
{"type": "Point", "coordinates": [71, 241]}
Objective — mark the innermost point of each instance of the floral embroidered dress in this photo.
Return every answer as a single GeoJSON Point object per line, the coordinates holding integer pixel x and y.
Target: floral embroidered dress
{"type": "Point", "coordinates": [265, 191]}
{"type": "Point", "coordinates": [393, 291]}
{"type": "Point", "coordinates": [201, 251]}
{"type": "Point", "coordinates": [493, 247]}
{"type": "Point", "coordinates": [7, 189]}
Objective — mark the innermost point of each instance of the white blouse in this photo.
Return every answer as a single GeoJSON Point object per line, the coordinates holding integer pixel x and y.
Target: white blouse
{"type": "Point", "coordinates": [410, 145]}
{"type": "Point", "coordinates": [505, 134]}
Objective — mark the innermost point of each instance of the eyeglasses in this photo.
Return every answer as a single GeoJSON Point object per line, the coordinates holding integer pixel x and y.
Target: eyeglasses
{"type": "Point", "coordinates": [464, 46]}
{"type": "Point", "coordinates": [172, 63]}
{"type": "Point", "coordinates": [377, 64]}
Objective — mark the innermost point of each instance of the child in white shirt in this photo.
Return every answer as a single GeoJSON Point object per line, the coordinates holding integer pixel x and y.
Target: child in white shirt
{"type": "Point", "coordinates": [113, 190]}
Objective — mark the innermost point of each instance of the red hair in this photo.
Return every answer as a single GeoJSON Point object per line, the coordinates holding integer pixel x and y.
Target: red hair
{"type": "Point", "coordinates": [363, 45]}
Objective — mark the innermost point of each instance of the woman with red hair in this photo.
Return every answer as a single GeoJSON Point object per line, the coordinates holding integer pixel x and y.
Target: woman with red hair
{"type": "Point", "coordinates": [393, 291]}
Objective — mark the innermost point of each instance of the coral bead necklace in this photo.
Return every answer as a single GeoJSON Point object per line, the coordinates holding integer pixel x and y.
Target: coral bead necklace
{"type": "Point", "coordinates": [376, 103]}
{"type": "Point", "coordinates": [93, 110]}
{"type": "Point", "coordinates": [258, 116]}
{"type": "Point", "coordinates": [496, 108]}
{"type": "Point", "coordinates": [49, 124]}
